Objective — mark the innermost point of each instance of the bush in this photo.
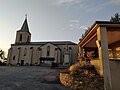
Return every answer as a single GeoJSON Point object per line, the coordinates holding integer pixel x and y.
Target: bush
{"type": "Point", "coordinates": [84, 77]}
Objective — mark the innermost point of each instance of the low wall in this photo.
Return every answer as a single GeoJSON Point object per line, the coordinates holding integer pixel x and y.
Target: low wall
{"type": "Point", "coordinates": [114, 69]}
{"type": "Point", "coordinates": [115, 74]}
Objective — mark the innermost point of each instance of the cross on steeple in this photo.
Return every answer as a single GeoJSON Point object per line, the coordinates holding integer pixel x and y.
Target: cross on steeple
{"type": "Point", "coordinates": [25, 16]}
{"type": "Point", "coordinates": [25, 25]}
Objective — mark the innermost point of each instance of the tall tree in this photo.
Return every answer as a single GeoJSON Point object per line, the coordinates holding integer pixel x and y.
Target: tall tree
{"type": "Point", "coordinates": [2, 54]}
{"type": "Point", "coordinates": [115, 18]}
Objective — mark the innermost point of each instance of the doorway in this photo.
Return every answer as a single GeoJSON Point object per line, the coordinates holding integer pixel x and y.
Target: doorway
{"type": "Point", "coordinates": [22, 62]}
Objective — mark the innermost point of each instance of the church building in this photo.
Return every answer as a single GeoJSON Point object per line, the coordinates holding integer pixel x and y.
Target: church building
{"type": "Point", "coordinates": [24, 52]}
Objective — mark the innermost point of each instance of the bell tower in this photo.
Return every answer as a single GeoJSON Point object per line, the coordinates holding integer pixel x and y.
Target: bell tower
{"type": "Point", "coordinates": [23, 35]}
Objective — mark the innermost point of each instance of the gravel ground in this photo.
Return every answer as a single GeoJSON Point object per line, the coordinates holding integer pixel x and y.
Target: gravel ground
{"type": "Point", "coordinates": [30, 78]}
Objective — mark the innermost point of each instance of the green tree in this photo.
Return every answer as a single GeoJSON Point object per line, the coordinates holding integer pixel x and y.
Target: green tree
{"type": "Point", "coordinates": [115, 18]}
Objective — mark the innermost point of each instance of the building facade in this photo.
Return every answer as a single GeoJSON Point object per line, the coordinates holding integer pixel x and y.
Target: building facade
{"type": "Point", "coordinates": [25, 52]}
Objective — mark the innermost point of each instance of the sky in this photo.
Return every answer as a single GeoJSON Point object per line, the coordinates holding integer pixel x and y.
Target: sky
{"type": "Point", "coordinates": [52, 20]}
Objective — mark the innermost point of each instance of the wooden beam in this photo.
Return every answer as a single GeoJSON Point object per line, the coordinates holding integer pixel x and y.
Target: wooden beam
{"type": "Point", "coordinates": [93, 36]}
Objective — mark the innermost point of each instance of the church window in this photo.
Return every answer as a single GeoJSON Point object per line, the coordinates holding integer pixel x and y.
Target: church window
{"type": "Point", "coordinates": [48, 51]}
{"type": "Point", "coordinates": [31, 47]}
{"type": "Point", "coordinates": [19, 48]}
{"type": "Point", "coordinates": [70, 48]}
{"type": "Point", "coordinates": [56, 49]}
{"type": "Point", "coordinates": [28, 39]}
{"type": "Point", "coordinates": [39, 49]}
{"type": "Point", "coordinates": [25, 51]}
{"type": "Point", "coordinates": [13, 57]}
{"type": "Point", "coordinates": [20, 37]}
{"type": "Point", "coordinates": [64, 49]}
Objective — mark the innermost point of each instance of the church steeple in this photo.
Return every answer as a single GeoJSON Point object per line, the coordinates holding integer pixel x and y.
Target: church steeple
{"type": "Point", "coordinates": [25, 26]}
{"type": "Point", "coordinates": [23, 35]}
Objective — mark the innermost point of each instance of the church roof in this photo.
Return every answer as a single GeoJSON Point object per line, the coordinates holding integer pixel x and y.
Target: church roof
{"type": "Point", "coordinates": [56, 42]}
{"type": "Point", "coordinates": [25, 26]}
{"type": "Point", "coordinates": [52, 42]}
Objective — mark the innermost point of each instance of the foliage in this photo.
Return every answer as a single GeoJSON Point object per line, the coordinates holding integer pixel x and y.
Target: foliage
{"type": "Point", "coordinates": [85, 77]}
{"type": "Point", "coordinates": [86, 31]}
{"type": "Point", "coordinates": [80, 57]}
{"type": "Point", "coordinates": [91, 53]}
{"type": "Point", "coordinates": [115, 18]}
{"type": "Point", "coordinates": [83, 68]}
{"type": "Point", "coordinates": [2, 54]}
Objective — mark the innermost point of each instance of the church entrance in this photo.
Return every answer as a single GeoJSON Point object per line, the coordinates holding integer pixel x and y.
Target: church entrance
{"type": "Point", "coordinates": [22, 62]}
{"type": "Point", "coordinates": [46, 60]}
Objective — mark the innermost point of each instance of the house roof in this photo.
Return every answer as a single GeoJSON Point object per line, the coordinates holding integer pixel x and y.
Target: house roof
{"type": "Point", "coordinates": [103, 23]}
{"type": "Point", "coordinates": [113, 30]}
{"type": "Point", "coordinates": [106, 22]}
{"type": "Point", "coordinates": [43, 43]}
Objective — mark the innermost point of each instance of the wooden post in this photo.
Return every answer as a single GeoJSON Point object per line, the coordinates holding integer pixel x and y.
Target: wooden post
{"type": "Point", "coordinates": [104, 58]}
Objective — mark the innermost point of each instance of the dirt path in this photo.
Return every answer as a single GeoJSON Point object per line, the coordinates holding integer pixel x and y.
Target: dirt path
{"type": "Point", "coordinates": [30, 78]}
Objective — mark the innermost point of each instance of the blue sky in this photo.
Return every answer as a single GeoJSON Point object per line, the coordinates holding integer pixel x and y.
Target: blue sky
{"type": "Point", "coordinates": [52, 20]}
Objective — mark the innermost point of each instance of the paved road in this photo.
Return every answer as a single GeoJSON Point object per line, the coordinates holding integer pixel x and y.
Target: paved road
{"type": "Point", "coordinates": [30, 78]}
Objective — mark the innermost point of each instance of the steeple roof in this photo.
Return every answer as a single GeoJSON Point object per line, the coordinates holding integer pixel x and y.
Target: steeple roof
{"type": "Point", "coordinates": [25, 26]}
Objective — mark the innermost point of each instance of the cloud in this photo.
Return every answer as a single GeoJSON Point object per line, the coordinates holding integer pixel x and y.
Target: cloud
{"type": "Point", "coordinates": [83, 27]}
{"type": "Point", "coordinates": [86, 5]}
{"type": "Point", "coordinates": [117, 2]}
{"type": "Point", "coordinates": [97, 7]}
{"type": "Point", "coordinates": [67, 2]}
{"type": "Point", "coordinates": [74, 25]}
{"type": "Point", "coordinates": [74, 21]}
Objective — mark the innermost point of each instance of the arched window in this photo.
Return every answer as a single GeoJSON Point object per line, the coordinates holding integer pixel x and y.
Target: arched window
{"type": "Point", "coordinates": [56, 49]}
{"type": "Point", "coordinates": [64, 49]}
{"type": "Point", "coordinates": [70, 48]}
{"type": "Point", "coordinates": [13, 57]}
{"type": "Point", "coordinates": [31, 47]}
{"type": "Point", "coordinates": [39, 49]}
{"type": "Point", "coordinates": [48, 51]}
{"type": "Point", "coordinates": [28, 39]}
{"type": "Point", "coordinates": [20, 37]}
{"type": "Point", "coordinates": [25, 51]}
{"type": "Point", "coordinates": [19, 48]}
